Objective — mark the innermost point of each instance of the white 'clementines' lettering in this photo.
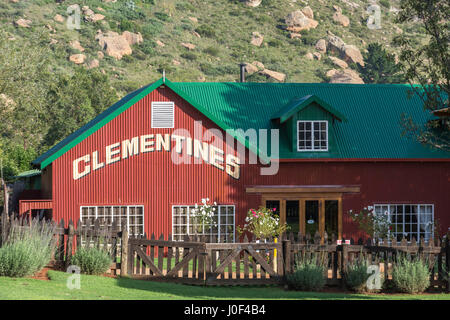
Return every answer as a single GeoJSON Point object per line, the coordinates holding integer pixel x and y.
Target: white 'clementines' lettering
{"type": "Point", "coordinates": [213, 155]}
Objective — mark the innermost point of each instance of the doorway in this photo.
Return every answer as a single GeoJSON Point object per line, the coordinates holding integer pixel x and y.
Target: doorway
{"type": "Point", "coordinates": [309, 215]}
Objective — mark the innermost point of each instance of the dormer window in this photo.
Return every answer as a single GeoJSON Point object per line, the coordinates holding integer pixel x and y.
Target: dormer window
{"type": "Point", "coordinates": [312, 136]}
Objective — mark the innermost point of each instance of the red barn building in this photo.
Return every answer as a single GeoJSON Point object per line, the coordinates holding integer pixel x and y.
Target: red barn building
{"type": "Point", "coordinates": [330, 148]}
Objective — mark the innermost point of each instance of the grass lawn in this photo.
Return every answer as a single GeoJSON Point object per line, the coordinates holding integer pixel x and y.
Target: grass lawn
{"type": "Point", "coordinates": [94, 287]}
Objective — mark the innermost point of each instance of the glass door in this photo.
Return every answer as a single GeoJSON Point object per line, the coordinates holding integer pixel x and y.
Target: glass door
{"type": "Point", "coordinates": [293, 216]}
{"type": "Point", "coordinates": [311, 217]}
{"type": "Point", "coordinates": [331, 217]}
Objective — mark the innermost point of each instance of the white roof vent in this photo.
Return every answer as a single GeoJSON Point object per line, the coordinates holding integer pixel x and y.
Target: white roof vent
{"type": "Point", "coordinates": [163, 115]}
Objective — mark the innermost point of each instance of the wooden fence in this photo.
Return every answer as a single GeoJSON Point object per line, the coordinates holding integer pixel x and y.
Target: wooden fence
{"type": "Point", "coordinates": [205, 261]}
{"type": "Point", "coordinates": [382, 253]}
{"type": "Point", "coordinates": [197, 261]}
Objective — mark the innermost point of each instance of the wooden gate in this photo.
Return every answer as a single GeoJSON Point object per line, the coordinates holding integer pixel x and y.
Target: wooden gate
{"type": "Point", "coordinates": [164, 260]}
{"type": "Point", "coordinates": [247, 263]}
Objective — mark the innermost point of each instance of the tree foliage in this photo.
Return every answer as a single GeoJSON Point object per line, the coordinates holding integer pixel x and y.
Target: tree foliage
{"type": "Point", "coordinates": [380, 66]}
{"type": "Point", "coordinates": [427, 67]}
{"type": "Point", "coordinates": [39, 105]}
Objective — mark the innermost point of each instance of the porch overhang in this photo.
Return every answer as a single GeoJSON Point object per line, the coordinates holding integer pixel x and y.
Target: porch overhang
{"type": "Point", "coordinates": [268, 189]}
{"type": "Point", "coordinates": [25, 206]}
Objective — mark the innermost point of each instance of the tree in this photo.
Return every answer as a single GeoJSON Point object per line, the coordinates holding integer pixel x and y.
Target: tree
{"type": "Point", "coordinates": [380, 66]}
{"type": "Point", "coordinates": [427, 67]}
{"type": "Point", "coordinates": [24, 78]}
{"type": "Point", "coordinates": [75, 100]}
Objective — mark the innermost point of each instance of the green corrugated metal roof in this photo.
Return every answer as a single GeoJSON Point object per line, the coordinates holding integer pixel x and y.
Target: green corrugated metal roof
{"type": "Point", "coordinates": [29, 173]}
{"type": "Point", "coordinates": [373, 114]}
{"type": "Point", "coordinates": [297, 104]}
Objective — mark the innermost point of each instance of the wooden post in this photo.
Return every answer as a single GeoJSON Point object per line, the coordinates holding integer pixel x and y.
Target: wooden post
{"type": "Point", "coordinates": [5, 196]}
{"type": "Point", "coordinates": [287, 256]}
{"type": "Point", "coordinates": [69, 244]}
{"type": "Point", "coordinates": [447, 259]}
{"type": "Point", "coordinates": [124, 252]}
{"type": "Point", "coordinates": [344, 259]}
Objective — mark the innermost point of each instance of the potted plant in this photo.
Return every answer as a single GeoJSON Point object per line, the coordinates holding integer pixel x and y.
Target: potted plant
{"type": "Point", "coordinates": [204, 216]}
{"type": "Point", "coordinates": [263, 223]}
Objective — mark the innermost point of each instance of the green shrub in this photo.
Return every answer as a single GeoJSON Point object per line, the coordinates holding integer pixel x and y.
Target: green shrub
{"type": "Point", "coordinates": [27, 250]}
{"type": "Point", "coordinates": [189, 56]}
{"type": "Point", "coordinates": [206, 31]}
{"type": "Point", "coordinates": [308, 275]}
{"type": "Point", "coordinates": [152, 28]}
{"type": "Point", "coordinates": [385, 3]}
{"type": "Point", "coordinates": [275, 43]}
{"type": "Point", "coordinates": [411, 275]}
{"type": "Point", "coordinates": [92, 260]}
{"type": "Point", "coordinates": [356, 275]}
{"type": "Point", "coordinates": [162, 16]}
{"type": "Point", "coordinates": [213, 51]}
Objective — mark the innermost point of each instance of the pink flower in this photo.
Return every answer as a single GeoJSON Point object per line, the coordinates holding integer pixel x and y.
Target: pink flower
{"type": "Point", "coordinates": [274, 209]}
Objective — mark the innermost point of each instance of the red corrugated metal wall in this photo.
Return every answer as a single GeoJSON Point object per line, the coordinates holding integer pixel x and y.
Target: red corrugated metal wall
{"type": "Point", "coordinates": [152, 180]}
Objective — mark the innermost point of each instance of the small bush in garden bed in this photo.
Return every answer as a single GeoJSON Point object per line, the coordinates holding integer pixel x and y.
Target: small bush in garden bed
{"type": "Point", "coordinates": [411, 275]}
{"type": "Point", "coordinates": [92, 260]}
{"type": "Point", "coordinates": [27, 250]}
{"type": "Point", "coordinates": [309, 274]}
{"type": "Point", "coordinates": [356, 276]}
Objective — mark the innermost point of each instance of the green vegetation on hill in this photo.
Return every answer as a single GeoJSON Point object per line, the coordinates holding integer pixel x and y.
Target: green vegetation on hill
{"type": "Point", "coordinates": [54, 79]}
{"type": "Point", "coordinates": [225, 28]}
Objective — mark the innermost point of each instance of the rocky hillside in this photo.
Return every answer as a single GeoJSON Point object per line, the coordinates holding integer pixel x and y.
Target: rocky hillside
{"type": "Point", "coordinates": [205, 40]}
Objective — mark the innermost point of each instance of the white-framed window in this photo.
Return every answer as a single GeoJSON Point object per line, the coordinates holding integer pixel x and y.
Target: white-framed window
{"type": "Point", "coordinates": [183, 223]}
{"type": "Point", "coordinates": [163, 114]}
{"type": "Point", "coordinates": [312, 135]}
{"type": "Point", "coordinates": [409, 220]}
{"type": "Point", "coordinates": [107, 214]}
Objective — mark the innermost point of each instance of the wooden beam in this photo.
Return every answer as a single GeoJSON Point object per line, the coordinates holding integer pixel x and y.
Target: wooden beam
{"type": "Point", "coordinates": [303, 189]}
{"type": "Point", "coordinates": [321, 218]}
{"type": "Point", "coordinates": [302, 216]}
{"type": "Point", "coordinates": [340, 218]}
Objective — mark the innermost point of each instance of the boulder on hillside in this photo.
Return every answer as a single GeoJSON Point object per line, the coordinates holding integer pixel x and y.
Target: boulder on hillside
{"type": "Point", "coordinates": [250, 68]}
{"type": "Point", "coordinates": [133, 38]}
{"type": "Point", "coordinates": [347, 52]}
{"type": "Point", "coordinates": [321, 46]}
{"type": "Point", "coordinates": [58, 18]}
{"type": "Point", "coordinates": [189, 46]}
{"type": "Point", "coordinates": [76, 45]}
{"type": "Point", "coordinates": [93, 64]}
{"type": "Point", "coordinates": [338, 62]}
{"type": "Point", "coordinates": [115, 45]}
{"type": "Point", "coordinates": [253, 67]}
{"type": "Point", "coordinates": [351, 53]}
{"type": "Point", "coordinates": [24, 23]}
{"type": "Point", "coordinates": [340, 18]}
{"type": "Point", "coordinates": [257, 39]}
{"type": "Point", "coordinates": [274, 75]}
{"type": "Point", "coordinates": [252, 3]}
{"type": "Point", "coordinates": [345, 76]}
{"type": "Point", "coordinates": [77, 58]}
{"type": "Point", "coordinates": [258, 64]}
{"type": "Point", "coordinates": [309, 56]}
{"type": "Point", "coordinates": [335, 44]}
{"type": "Point", "coordinates": [297, 21]}
{"type": "Point", "coordinates": [308, 12]}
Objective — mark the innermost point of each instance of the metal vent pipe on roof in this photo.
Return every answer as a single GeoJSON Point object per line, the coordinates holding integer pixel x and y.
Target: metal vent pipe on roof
{"type": "Point", "coordinates": [242, 77]}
